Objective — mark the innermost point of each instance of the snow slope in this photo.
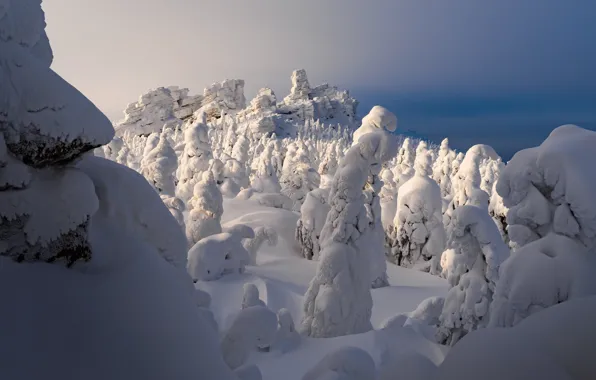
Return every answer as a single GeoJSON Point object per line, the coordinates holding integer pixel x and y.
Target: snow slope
{"type": "Point", "coordinates": [282, 277]}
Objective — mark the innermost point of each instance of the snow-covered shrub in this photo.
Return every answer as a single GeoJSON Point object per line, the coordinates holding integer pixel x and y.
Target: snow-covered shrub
{"type": "Point", "coordinates": [471, 265]}
{"type": "Point", "coordinates": [206, 209]}
{"type": "Point", "coordinates": [216, 255]}
{"type": "Point", "coordinates": [347, 363]}
{"type": "Point", "coordinates": [254, 328]}
{"type": "Point", "coordinates": [195, 158]}
{"type": "Point", "coordinates": [557, 343]}
{"type": "Point", "coordinates": [418, 238]}
{"type": "Point", "coordinates": [338, 300]}
{"type": "Point", "coordinates": [262, 234]}
{"type": "Point", "coordinates": [287, 337]}
{"type": "Point", "coordinates": [159, 166]}
{"type": "Point", "coordinates": [313, 214]}
{"type": "Point", "coordinates": [548, 190]}
{"type": "Point", "coordinates": [251, 296]}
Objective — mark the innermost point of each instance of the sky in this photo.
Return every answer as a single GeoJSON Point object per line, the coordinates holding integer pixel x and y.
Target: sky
{"type": "Point", "coordinates": [472, 70]}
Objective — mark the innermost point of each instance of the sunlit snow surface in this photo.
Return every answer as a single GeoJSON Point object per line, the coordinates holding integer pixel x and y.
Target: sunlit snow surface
{"type": "Point", "coordinates": [282, 278]}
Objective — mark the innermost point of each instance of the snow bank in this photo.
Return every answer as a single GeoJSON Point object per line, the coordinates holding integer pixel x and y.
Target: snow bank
{"type": "Point", "coordinates": [556, 343]}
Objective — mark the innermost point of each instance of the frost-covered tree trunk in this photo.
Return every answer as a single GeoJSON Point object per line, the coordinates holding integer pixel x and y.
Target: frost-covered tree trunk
{"type": "Point", "coordinates": [471, 265]}
{"type": "Point", "coordinates": [418, 238]}
{"type": "Point", "coordinates": [338, 300]}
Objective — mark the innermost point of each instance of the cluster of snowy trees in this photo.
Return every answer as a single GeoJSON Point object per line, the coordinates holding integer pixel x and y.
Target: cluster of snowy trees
{"type": "Point", "coordinates": [423, 207]}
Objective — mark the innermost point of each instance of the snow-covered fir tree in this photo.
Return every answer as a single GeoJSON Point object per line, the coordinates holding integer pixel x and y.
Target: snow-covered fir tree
{"type": "Point", "coordinates": [159, 166]}
{"type": "Point", "coordinates": [206, 209]}
{"type": "Point", "coordinates": [404, 170]}
{"type": "Point", "coordinates": [313, 214]}
{"type": "Point", "coordinates": [442, 168]}
{"type": "Point", "coordinates": [195, 157]}
{"type": "Point", "coordinates": [340, 290]}
{"type": "Point", "coordinates": [265, 176]}
{"type": "Point", "coordinates": [418, 238]}
{"type": "Point", "coordinates": [471, 265]}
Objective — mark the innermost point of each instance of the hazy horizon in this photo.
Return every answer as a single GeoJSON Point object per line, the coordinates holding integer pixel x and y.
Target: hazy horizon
{"type": "Point", "coordinates": [457, 68]}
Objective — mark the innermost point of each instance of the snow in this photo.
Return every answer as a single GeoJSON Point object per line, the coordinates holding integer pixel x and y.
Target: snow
{"type": "Point", "coordinates": [556, 343]}
{"type": "Point", "coordinates": [144, 215]}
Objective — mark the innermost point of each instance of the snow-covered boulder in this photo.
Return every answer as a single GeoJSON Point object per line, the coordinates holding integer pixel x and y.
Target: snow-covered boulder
{"type": "Point", "coordinates": [347, 363]}
{"type": "Point", "coordinates": [254, 328]}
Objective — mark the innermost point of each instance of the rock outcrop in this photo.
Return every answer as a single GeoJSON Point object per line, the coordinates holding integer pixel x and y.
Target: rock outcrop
{"type": "Point", "coordinates": [264, 115]}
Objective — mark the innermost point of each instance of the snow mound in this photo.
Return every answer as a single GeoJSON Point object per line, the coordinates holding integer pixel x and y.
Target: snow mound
{"type": "Point", "coordinates": [556, 343]}
{"type": "Point", "coordinates": [144, 216]}
{"type": "Point", "coordinates": [348, 363]}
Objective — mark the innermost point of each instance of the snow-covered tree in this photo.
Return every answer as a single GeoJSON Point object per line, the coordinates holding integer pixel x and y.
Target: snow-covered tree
{"type": "Point", "coordinates": [159, 166]}
{"type": "Point", "coordinates": [551, 221]}
{"type": "Point", "coordinates": [206, 209]}
{"type": "Point", "coordinates": [235, 178]}
{"type": "Point", "coordinates": [262, 234]}
{"type": "Point", "coordinates": [251, 296]}
{"type": "Point", "coordinates": [265, 176]}
{"type": "Point", "coordinates": [404, 170]}
{"type": "Point", "coordinates": [442, 168]}
{"type": "Point", "coordinates": [287, 337]}
{"type": "Point", "coordinates": [471, 265]}
{"type": "Point", "coordinates": [195, 158]}
{"type": "Point", "coordinates": [77, 217]}
{"type": "Point", "coordinates": [419, 237]}
{"type": "Point", "coordinates": [176, 207]}
{"type": "Point", "coordinates": [338, 300]}
{"type": "Point", "coordinates": [313, 214]}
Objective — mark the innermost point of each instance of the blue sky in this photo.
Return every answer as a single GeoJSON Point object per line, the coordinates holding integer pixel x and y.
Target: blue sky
{"type": "Point", "coordinates": [472, 70]}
